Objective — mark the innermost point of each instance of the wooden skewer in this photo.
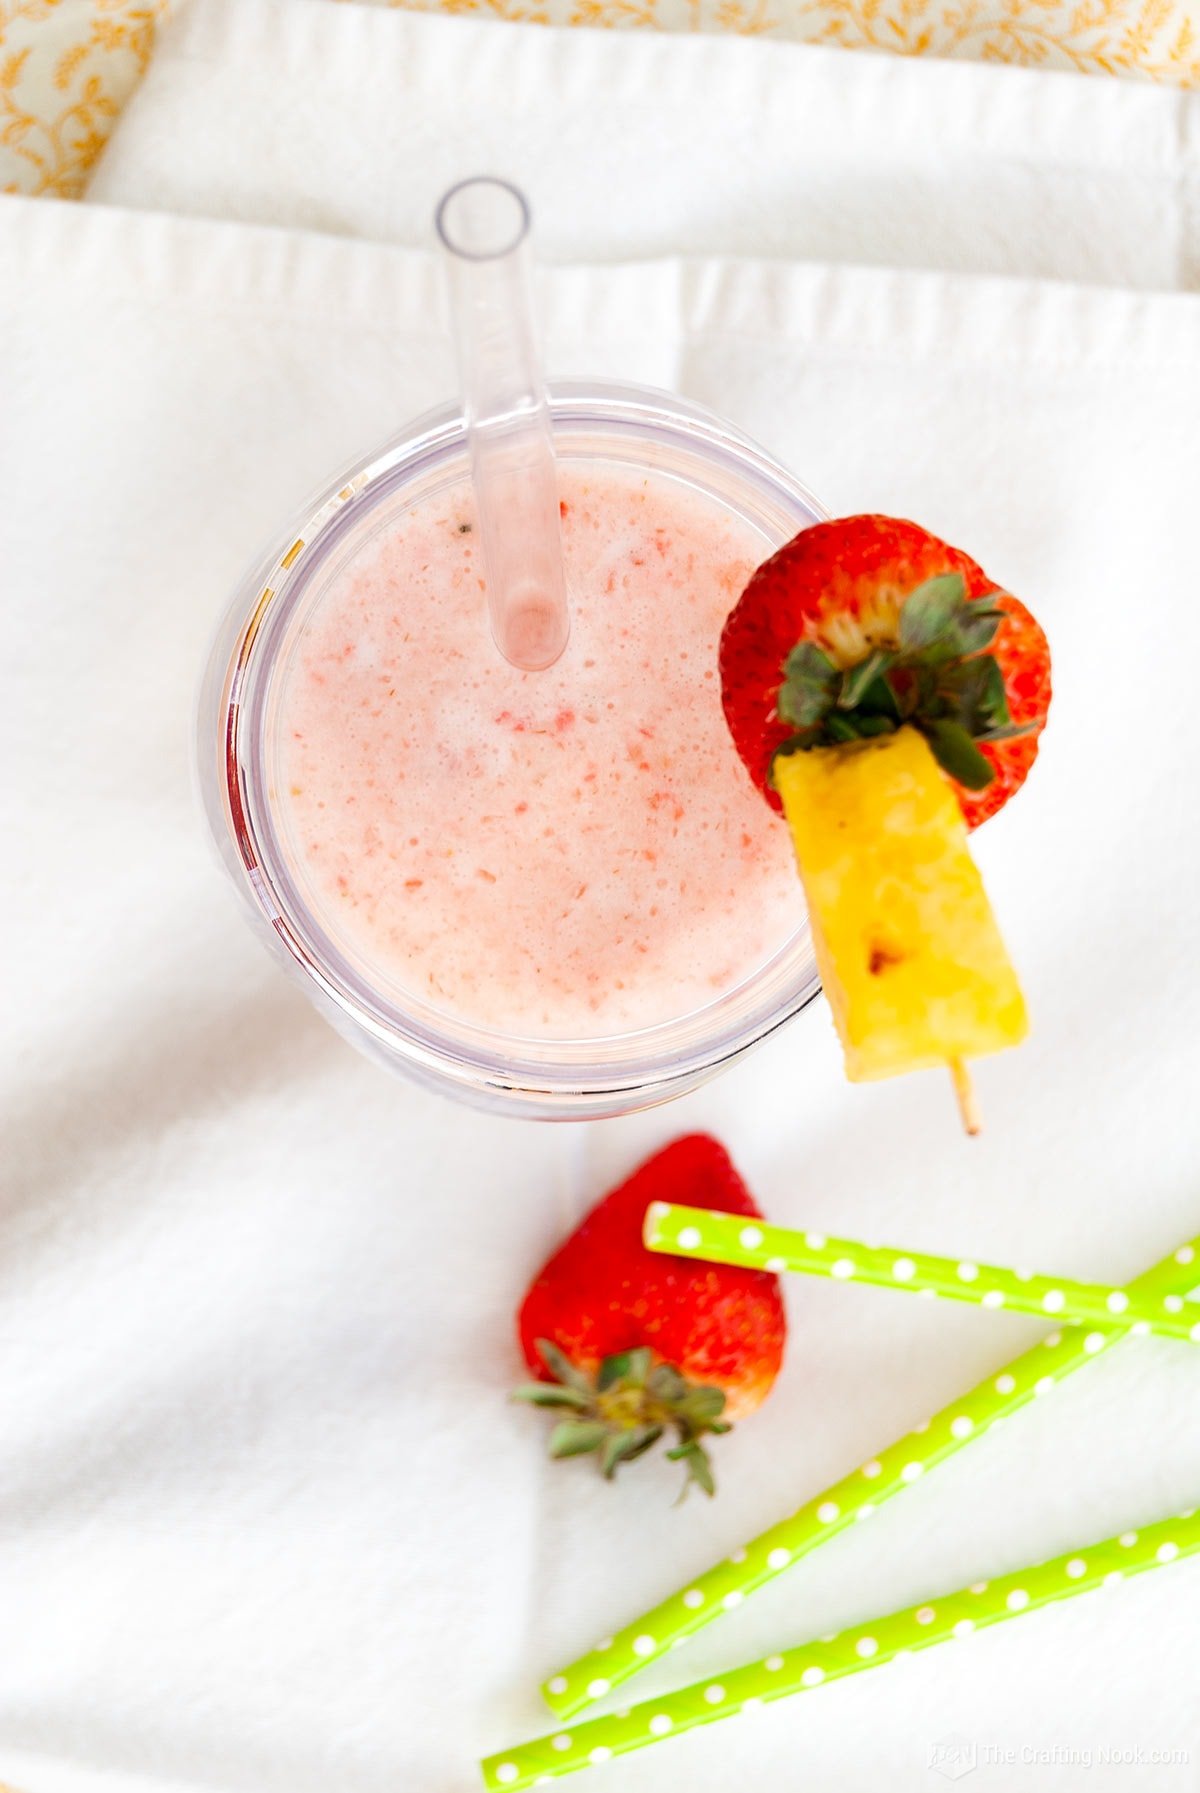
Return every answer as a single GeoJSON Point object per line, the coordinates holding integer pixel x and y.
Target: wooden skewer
{"type": "Point", "coordinates": [964, 1095]}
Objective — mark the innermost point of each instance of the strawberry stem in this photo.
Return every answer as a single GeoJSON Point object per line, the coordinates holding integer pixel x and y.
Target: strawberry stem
{"type": "Point", "coordinates": [622, 1412]}
{"type": "Point", "coordinates": [939, 678]}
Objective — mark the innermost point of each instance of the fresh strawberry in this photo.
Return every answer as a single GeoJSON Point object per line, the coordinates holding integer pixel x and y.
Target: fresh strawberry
{"type": "Point", "coordinates": [630, 1344]}
{"type": "Point", "coordinates": [818, 649]}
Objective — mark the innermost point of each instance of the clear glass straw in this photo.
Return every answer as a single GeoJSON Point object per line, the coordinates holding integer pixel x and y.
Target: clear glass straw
{"type": "Point", "coordinates": [484, 228]}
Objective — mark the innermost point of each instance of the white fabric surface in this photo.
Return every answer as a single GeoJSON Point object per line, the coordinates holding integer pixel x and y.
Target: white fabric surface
{"type": "Point", "coordinates": [265, 1519]}
{"type": "Point", "coordinates": [695, 145]}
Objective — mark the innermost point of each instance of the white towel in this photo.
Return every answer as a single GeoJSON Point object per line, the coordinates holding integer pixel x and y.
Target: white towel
{"type": "Point", "coordinates": [266, 1521]}
{"type": "Point", "coordinates": [661, 144]}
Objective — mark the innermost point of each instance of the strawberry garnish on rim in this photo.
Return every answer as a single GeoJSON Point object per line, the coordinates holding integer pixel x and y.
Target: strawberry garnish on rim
{"type": "Point", "coordinates": [835, 602]}
{"type": "Point", "coordinates": [886, 696]}
{"type": "Point", "coordinates": [631, 1347]}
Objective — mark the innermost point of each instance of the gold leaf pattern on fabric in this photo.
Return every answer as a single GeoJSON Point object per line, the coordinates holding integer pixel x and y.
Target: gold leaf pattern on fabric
{"type": "Point", "coordinates": [66, 69]}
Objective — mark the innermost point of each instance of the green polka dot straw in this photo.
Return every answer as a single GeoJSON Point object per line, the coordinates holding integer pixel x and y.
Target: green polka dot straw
{"type": "Point", "coordinates": [865, 1646]}
{"type": "Point", "coordinates": [731, 1239]}
{"type": "Point", "coordinates": [698, 1602]}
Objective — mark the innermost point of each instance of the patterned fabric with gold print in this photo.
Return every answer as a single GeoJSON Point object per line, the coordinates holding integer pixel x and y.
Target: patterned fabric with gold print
{"type": "Point", "coordinates": [67, 66]}
{"type": "Point", "coordinates": [66, 69]}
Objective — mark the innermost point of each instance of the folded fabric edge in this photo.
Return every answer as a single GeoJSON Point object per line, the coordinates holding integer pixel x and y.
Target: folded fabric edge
{"type": "Point", "coordinates": [854, 308]}
{"type": "Point", "coordinates": [997, 108]}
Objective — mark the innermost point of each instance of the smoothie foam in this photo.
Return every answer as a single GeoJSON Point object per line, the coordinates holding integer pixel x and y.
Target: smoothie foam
{"type": "Point", "coordinates": [563, 854]}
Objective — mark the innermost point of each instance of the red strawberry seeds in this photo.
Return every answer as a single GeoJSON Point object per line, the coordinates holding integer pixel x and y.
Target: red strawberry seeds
{"type": "Point", "coordinates": [603, 1294]}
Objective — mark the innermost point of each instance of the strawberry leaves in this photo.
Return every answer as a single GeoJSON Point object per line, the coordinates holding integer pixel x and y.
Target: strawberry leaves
{"type": "Point", "coordinates": [810, 687]}
{"type": "Point", "coordinates": [623, 1411]}
{"type": "Point", "coordinates": [573, 1438]}
{"type": "Point", "coordinates": [939, 678]}
{"type": "Point", "coordinates": [956, 753]}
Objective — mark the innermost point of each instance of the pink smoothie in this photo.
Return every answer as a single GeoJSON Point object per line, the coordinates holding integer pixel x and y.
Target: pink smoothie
{"type": "Point", "coordinates": [569, 853]}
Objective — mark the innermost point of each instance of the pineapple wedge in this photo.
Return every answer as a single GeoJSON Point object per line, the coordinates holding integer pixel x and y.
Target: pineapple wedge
{"type": "Point", "coordinates": [908, 948]}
